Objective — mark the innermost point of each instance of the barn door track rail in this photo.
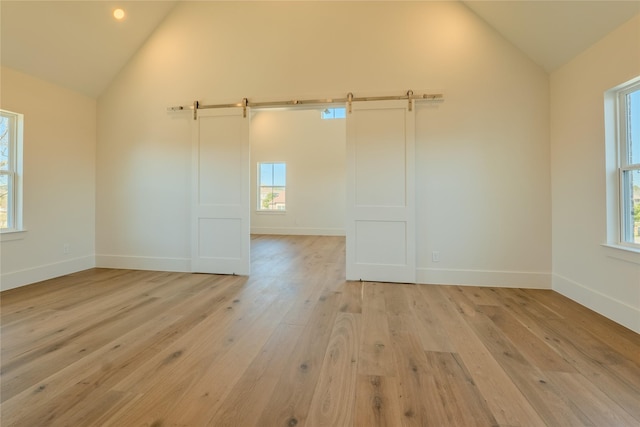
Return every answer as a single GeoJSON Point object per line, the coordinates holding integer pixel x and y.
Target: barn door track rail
{"type": "Point", "coordinates": [350, 98]}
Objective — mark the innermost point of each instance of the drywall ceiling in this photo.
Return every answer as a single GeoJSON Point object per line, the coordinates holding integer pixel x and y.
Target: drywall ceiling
{"type": "Point", "coordinates": [553, 32]}
{"type": "Point", "coordinates": [75, 44]}
{"type": "Point", "coordinates": [78, 44]}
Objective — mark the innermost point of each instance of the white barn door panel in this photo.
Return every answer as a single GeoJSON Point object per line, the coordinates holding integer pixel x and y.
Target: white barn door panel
{"type": "Point", "coordinates": [381, 192]}
{"type": "Point", "coordinates": [220, 239]}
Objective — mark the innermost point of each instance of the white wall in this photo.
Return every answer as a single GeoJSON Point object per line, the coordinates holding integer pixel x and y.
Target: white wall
{"type": "Point", "coordinates": [482, 155]}
{"type": "Point", "coordinates": [604, 279]}
{"type": "Point", "coordinates": [59, 181]}
{"type": "Point", "coordinates": [315, 153]}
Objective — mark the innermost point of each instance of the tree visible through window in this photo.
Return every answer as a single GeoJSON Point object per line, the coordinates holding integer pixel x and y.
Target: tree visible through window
{"type": "Point", "coordinates": [10, 167]}
{"type": "Point", "coordinates": [629, 133]}
{"type": "Point", "coordinates": [272, 179]}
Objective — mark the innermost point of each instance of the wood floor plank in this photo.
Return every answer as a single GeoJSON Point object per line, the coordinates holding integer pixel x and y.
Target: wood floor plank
{"type": "Point", "coordinates": [561, 335]}
{"type": "Point", "coordinates": [83, 302]}
{"type": "Point", "coordinates": [295, 344]}
{"type": "Point", "coordinates": [537, 350]}
{"type": "Point", "coordinates": [453, 394]}
{"type": "Point", "coordinates": [623, 339]}
{"type": "Point", "coordinates": [551, 404]}
{"type": "Point", "coordinates": [523, 300]}
{"type": "Point", "coordinates": [334, 397]}
{"type": "Point", "coordinates": [86, 317]}
{"type": "Point", "coordinates": [14, 314]}
{"type": "Point", "coordinates": [187, 357]}
{"type": "Point", "coordinates": [432, 335]}
{"type": "Point", "coordinates": [507, 404]}
{"type": "Point", "coordinates": [87, 379]}
{"type": "Point", "coordinates": [376, 356]}
{"type": "Point", "coordinates": [99, 412]}
{"type": "Point", "coordinates": [76, 296]}
{"type": "Point", "coordinates": [414, 378]}
{"type": "Point", "coordinates": [377, 402]}
{"type": "Point", "coordinates": [215, 384]}
{"type": "Point", "coordinates": [351, 298]}
{"type": "Point", "coordinates": [42, 362]}
{"type": "Point", "coordinates": [555, 407]}
{"type": "Point", "coordinates": [613, 375]}
{"type": "Point", "coordinates": [599, 408]}
{"type": "Point", "coordinates": [303, 306]}
{"type": "Point", "coordinates": [18, 303]}
{"type": "Point", "coordinates": [295, 388]}
{"type": "Point", "coordinates": [480, 295]}
{"type": "Point", "coordinates": [50, 400]}
{"type": "Point", "coordinates": [250, 395]}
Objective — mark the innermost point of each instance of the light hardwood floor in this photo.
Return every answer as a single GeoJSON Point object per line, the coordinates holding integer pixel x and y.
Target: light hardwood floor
{"type": "Point", "coordinates": [294, 345]}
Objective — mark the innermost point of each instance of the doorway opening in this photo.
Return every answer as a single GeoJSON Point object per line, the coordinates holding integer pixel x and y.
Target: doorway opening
{"type": "Point", "coordinates": [307, 155]}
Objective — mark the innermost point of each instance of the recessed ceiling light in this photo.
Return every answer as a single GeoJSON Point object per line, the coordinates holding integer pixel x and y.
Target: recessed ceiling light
{"type": "Point", "coordinates": [118, 14]}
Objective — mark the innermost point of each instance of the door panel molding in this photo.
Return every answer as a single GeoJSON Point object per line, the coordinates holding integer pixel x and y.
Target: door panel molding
{"type": "Point", "coordinates": [220, 236]}
{"type": "Point", "coordinates": [381, 192]}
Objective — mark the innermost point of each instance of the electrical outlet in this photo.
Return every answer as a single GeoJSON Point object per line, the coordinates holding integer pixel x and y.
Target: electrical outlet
{"type": "Point", "coordinates": [65, 248]}
{"type": "Point", "coordinates": [435, 256]}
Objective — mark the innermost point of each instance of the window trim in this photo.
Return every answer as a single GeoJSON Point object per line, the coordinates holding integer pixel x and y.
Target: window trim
{"type": "Point", "coordinates": [623, 163]}
{"type": "Point", "coordinates": [626, 225]}
{"type": "Point", "coordinates": [259, 208]}
{"type": "Point", "coordinates": [14, 205]}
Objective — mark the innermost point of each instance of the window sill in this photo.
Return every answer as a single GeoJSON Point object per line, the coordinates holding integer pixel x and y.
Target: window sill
{"type": "Point", "coordinates": [623, 253]}
{"type": "Point", "coordinates": [273, 212]}
{"type": "Point", "coordinates": [6, 236]}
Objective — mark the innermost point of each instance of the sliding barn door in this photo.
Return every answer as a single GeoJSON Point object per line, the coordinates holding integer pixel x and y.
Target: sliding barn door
{"type": "Point", "coordinates": [220, 239]}
{"type": "Point", "coordinates": [380, 192]}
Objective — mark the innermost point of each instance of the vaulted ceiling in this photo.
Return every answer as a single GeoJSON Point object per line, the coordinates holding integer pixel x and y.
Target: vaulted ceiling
{"type": "Point", "coordinates": [78, 44]}
{"type": "Point", "coordinates": [75, 44]}
{"type": "Point", "coordinates": [552, 32]}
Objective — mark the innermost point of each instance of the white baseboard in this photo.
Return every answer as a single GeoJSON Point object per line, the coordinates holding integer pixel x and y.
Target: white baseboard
{"type": "Point", "coordinates": [298, 231]}
{"type": "Point", "coordinates": [499, 279]}
{"type": "Point", "coordinates": [15, 279]}
{"type": "Point", "coordinates": [618, 311]}
{"type": "Point", "coordinates": [182, 265]}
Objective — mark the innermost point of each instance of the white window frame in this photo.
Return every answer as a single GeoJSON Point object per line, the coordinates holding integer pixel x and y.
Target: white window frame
{"type": "Point", "coordinates": [259, 207]}
{"type": "Point", "coordinates": [334, 113]}
{"type": "Point", "coordinates": [626, 224]}
{"type": "Point", "coordinates": [14, 174]}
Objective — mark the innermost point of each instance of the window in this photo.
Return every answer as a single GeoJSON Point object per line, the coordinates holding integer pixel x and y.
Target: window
{"type": "Point", "coordinates": [334, 113]}
{"type": "Point", "coordinates": [272, 178]}
{"type": "Point", "coordinates": [629, 163]}
{"type": "Point", "coordinates": [10, 171]}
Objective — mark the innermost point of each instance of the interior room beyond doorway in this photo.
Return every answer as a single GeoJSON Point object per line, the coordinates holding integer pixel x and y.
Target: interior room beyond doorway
{"type": "Point", "coordinates": [313, 150]}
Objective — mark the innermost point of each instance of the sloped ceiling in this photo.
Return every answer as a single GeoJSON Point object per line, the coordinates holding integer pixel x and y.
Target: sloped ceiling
{"type": "Point", "coordinates": [78, 44]}
{"type": "Point", "coordinates": [75, 44]}
{"type": "Point", "coordinates": [553, 32]}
